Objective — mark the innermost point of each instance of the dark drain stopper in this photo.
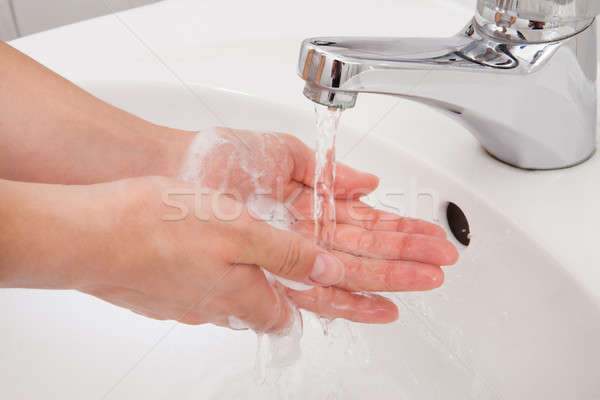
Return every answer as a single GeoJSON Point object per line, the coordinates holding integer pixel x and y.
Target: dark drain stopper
{"type": "Point", "coordinates": [459, 225]}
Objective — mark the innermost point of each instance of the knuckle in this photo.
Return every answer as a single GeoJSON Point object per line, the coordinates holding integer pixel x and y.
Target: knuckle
{"type": "Point", "coordinates": [402, 225]}
{"type": "Point", "coordinates": [357, 273]}
{"type": "Point", "coordinates": [246, 234]}
{"type": "Point", "coordinates": [405, 243]}
{"type": "Point", "coordinates": [390, 282]}
{"type": "Point", "coordinates": [291, 258]}
{"type": "Point", "coordinates": [370, 218]}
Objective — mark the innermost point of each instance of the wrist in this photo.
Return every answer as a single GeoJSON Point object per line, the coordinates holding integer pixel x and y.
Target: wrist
{"type": "Point", "coordinates": [165, 152]}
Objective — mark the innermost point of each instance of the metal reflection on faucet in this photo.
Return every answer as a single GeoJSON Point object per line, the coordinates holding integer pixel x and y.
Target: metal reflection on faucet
{"type": "Point", "coordinates": [530, 102]}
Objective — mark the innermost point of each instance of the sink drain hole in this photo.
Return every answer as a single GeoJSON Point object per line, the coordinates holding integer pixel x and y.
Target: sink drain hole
{"type": "Point", "coordinates": [459, 225]}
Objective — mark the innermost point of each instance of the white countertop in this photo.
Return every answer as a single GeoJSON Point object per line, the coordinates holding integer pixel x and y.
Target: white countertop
{"type": "Point", "coordinates": [222, 44]}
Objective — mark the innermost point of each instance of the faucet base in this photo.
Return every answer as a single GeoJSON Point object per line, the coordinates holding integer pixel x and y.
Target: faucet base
{"type": "Point", "coordinates": [567, 166]}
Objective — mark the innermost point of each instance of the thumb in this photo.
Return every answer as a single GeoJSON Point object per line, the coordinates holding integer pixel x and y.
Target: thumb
{"type": "Point", "coordinates": [291, 256]}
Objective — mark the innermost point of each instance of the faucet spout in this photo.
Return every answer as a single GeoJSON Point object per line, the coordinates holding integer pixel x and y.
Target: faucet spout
{"type": "Point", "coordinates": [531, 104]}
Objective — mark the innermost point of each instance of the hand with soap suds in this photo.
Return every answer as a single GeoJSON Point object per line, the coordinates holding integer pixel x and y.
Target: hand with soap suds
{"type": "Point", "coordinates": [273, 175]}
{"type": "Point", "coordinates": [159, 247]}
{"type": "Point", "coordinates": [171, 249]}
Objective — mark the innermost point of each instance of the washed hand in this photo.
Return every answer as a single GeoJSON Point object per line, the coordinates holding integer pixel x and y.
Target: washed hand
{"type": "Point", "coordinates": [128, 242]}
{"type": "Point", "coordinates": [380, 251]}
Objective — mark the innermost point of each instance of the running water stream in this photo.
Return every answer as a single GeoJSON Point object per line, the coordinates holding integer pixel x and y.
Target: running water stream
{"type": "Point", "coordinates": [281, 365]}
{"type": "Point", "coordinates": [327, 122]}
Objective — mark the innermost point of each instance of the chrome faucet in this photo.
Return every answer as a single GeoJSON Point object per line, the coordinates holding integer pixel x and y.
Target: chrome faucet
{"type": "Point", "coordinates": [521, 77]}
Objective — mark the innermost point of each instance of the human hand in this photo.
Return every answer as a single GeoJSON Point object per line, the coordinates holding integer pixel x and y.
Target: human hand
{"type": "Point", "coordinates": [202, 266]}
{"type": "Point", "coordinates": [380, 251]}
{"type": "Point", "coordinates": [111, 240]}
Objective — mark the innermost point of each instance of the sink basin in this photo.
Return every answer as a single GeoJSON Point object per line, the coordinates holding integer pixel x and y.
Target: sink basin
{"type": "Point", "coordinates": [510, 322]}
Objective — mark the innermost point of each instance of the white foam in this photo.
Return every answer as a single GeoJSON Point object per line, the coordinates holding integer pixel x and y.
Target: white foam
{"type": "Point", "coordinates": [193, 166]}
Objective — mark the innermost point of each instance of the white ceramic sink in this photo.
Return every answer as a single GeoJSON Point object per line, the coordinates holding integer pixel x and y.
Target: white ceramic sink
{"type": "Point", "coordinates": [509, 323]}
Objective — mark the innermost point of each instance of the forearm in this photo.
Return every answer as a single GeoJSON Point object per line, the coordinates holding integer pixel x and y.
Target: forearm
{"type": "Point", "coordinates": [45, 241]}
{"type": "Point", "coordinates": [53, 131]}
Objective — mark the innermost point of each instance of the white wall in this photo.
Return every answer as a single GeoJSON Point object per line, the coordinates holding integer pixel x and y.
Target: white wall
{"type": "Point", "coordinates": [37, 15]}
{"type": "Point", "coordinates": [7, 25]}
{"type": "Point", "coordinates": [467, 3]}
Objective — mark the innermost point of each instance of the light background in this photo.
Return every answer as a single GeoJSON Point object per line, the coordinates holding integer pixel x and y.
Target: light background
{"type": "Point", "coordinates": [24, 17]}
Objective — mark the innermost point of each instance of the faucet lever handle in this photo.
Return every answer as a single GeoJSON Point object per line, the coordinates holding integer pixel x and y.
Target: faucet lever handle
{"type": "Point", "coordinates": [536, 20]}
{"type": "Point", "coordinates": [542, 10]}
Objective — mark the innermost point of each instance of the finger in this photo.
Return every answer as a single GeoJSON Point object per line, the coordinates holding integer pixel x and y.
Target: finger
{"type": "Point", "coordinates": [337, 303]}
{"type": "Point", "coordinates": [389, 245]}
{"type": "Point", "coordinates": [289, 255]}
{"type": "Point", "coordinates": [354, 212]}
{"type": "Point", "coordinates": [349, 182]}
{"type": "Point", "coordinates": [394, 245]}
{"type": "Point", "coordinates": [374, 275]}
{"type": "Point", "coordinates": [357, 213]}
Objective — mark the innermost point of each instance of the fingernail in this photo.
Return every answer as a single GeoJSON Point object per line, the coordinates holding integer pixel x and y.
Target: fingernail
{"type": "Point", "coordinates": [327, 270]}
